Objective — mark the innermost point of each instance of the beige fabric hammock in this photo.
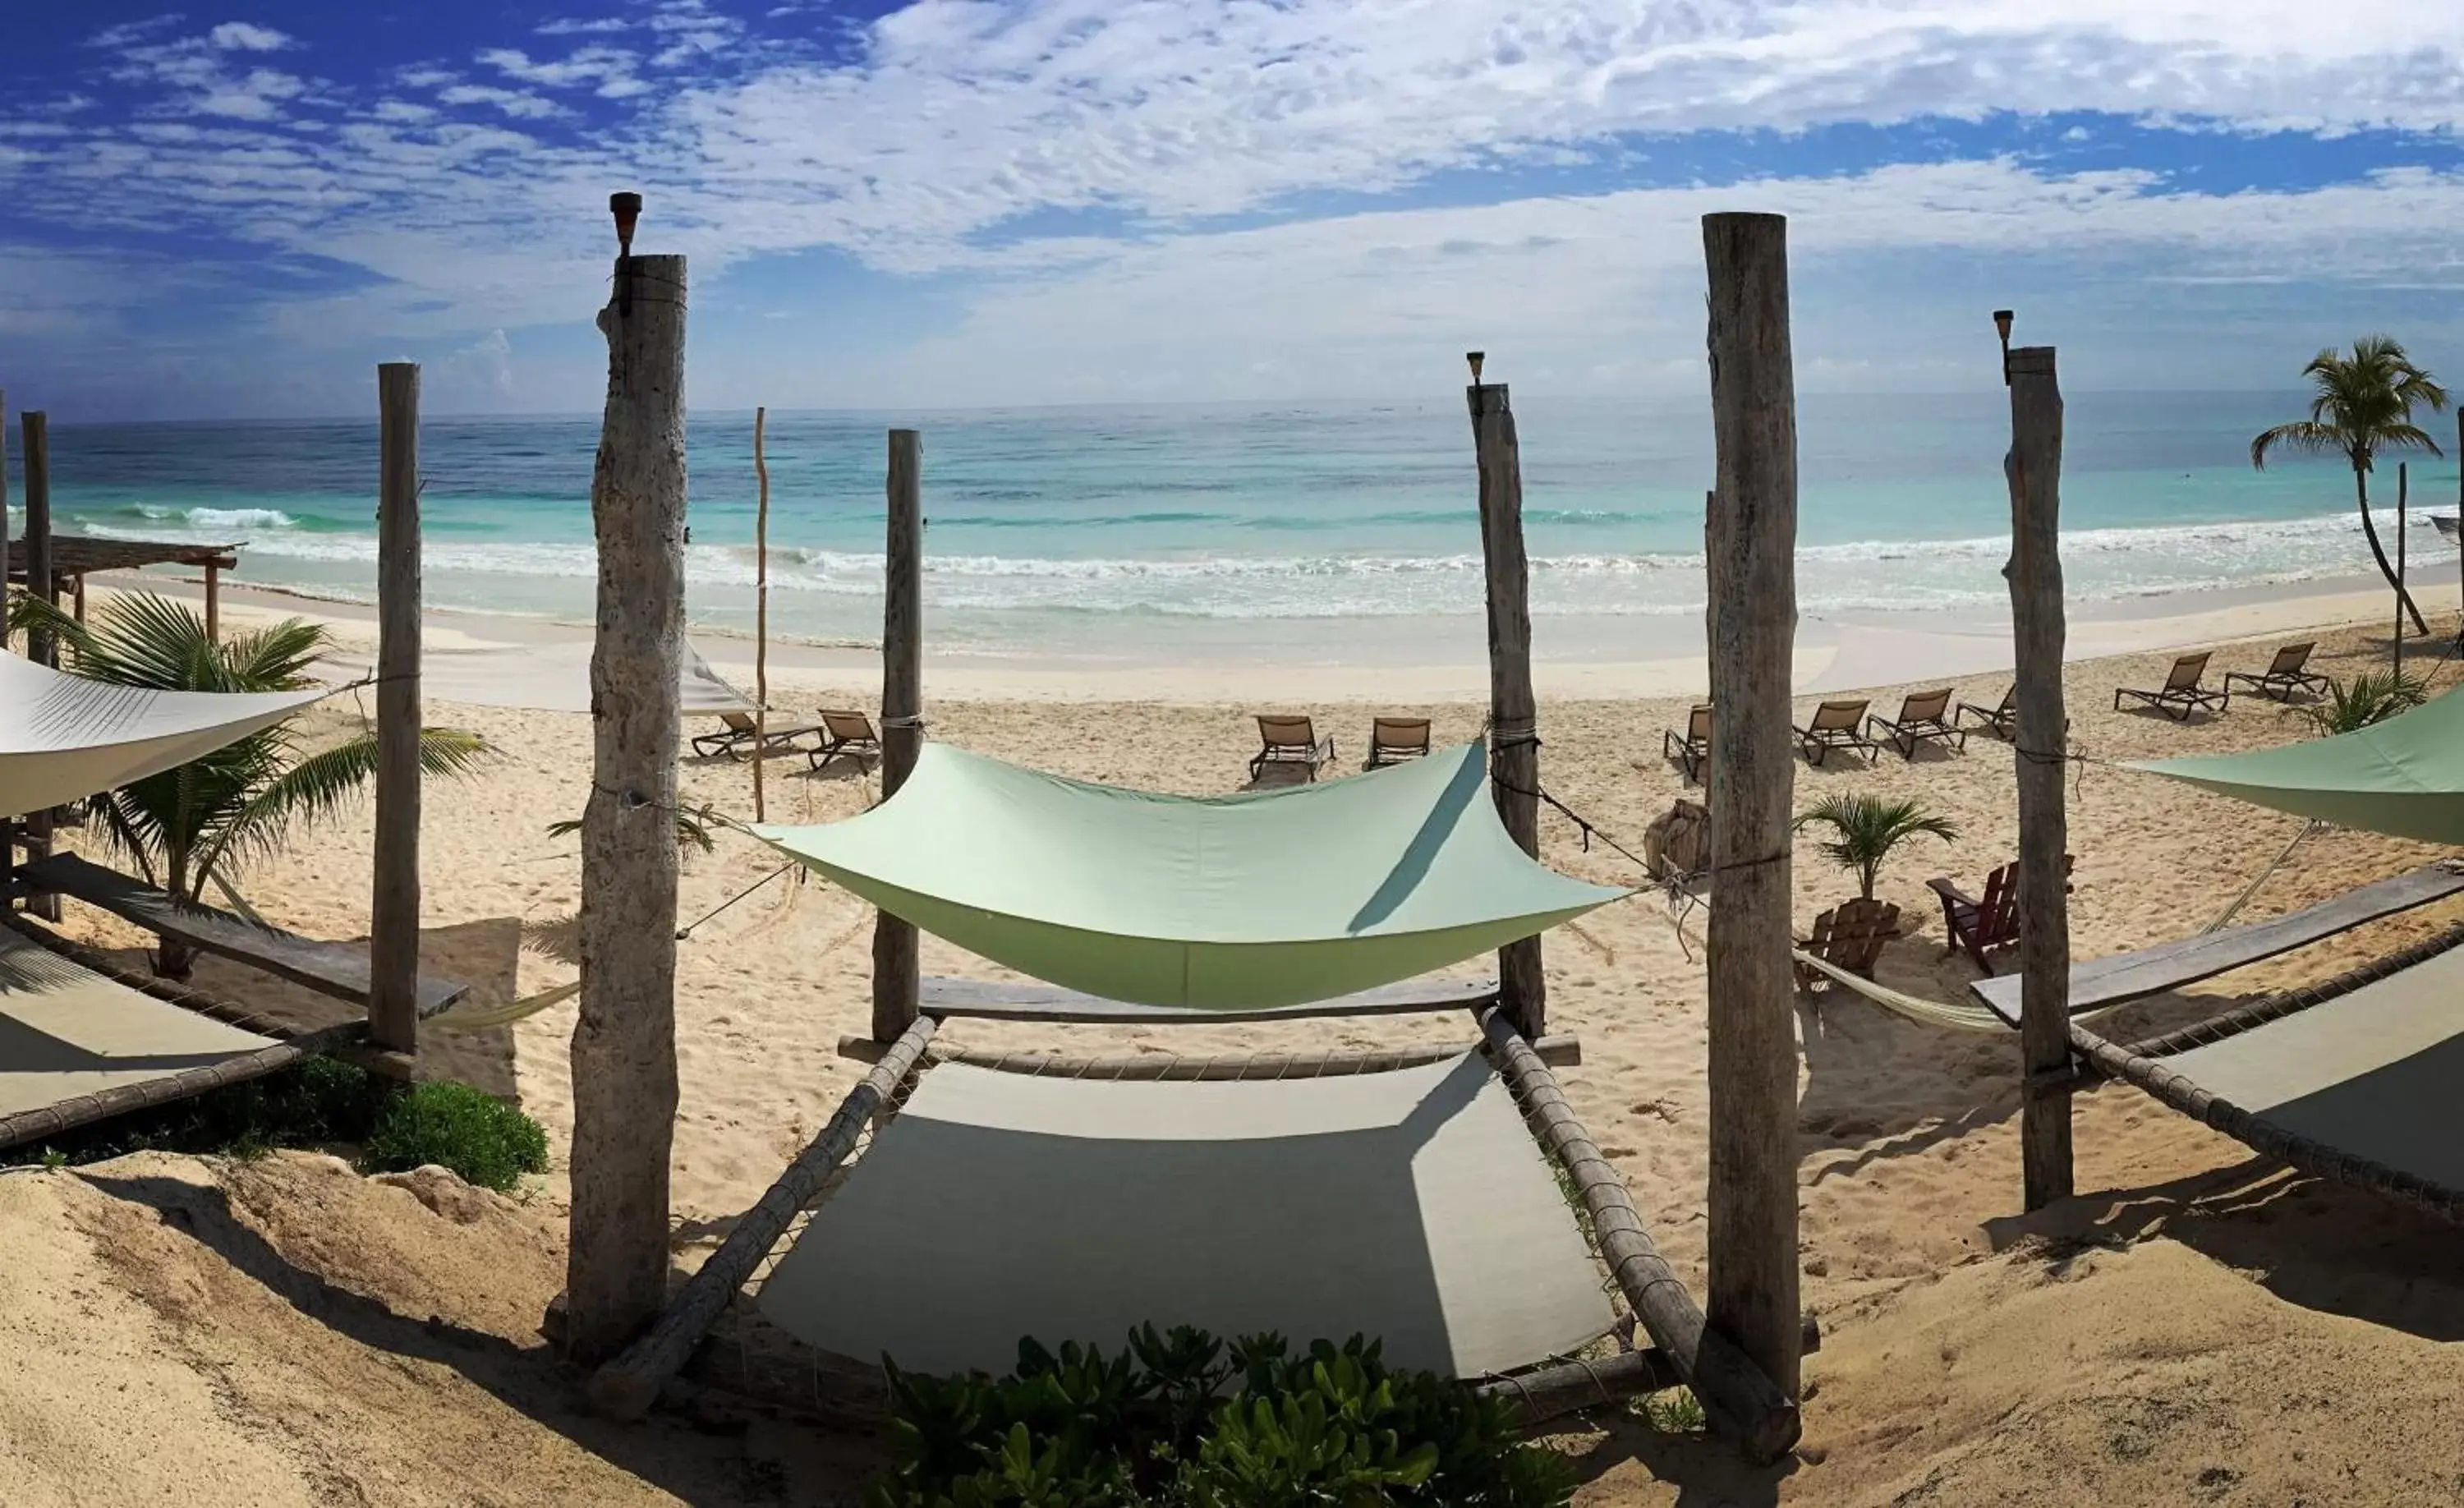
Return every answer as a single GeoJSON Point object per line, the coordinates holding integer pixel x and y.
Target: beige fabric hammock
{"type": "Point", "coordinates": [67, 1032]}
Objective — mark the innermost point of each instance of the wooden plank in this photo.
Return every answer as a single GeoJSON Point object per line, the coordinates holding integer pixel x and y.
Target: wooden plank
{"type": "Point", "coordinates": [1513, 732]}
{"type": "Point", "coordinates": [2040, 753]}
{"type": "Point", "coordinates": [2123, 977]}
{"type": "Point", "coordinates": [1558, 1052]}
{"type": "Point", "coordinates": [1740, 1399]}
{"type": "Point", "coordinates": [623, 1052]}
{"type": "Point", "coordinates": [627, 1385]}
{"type": "Point", "coordinates": [993, 1000]}
{"type": "Point", "coordinates": [895, 982]}
{"type": "Point", "coordinates": [393, 907]}
{"type": "Point", "coordinates": [339, 969]}
{"type": "Point", "coordinates": [1750, 544]}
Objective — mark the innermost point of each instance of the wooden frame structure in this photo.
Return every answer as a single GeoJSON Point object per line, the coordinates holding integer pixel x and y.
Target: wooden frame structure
{"type": "Point", "coordinates": [74, 558]}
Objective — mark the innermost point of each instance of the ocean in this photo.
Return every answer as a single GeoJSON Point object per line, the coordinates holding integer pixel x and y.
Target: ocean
{"type": "Point", "coordinates": [1244, 524]}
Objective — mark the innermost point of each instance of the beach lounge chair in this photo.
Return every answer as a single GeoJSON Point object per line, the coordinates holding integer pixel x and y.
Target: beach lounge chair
{"type": "Point", "coordinates": [2287, 673]}
{"type": "Point", "coordinates": [1693, 746]}
{"type": "Point", "coordinates": [1289, 740]}
{"type": "Point", "coordinates": [1392, 740]}
{"type": "Point", "coordinates": [738, 738]}
{"type": "Point", "coordinates": [1979, 925]}
{"type": "Point", "coordinates": [1835, 725]}
{"type": "Point", "coordinates": [2182, 693]}
{"type": "Point", "coordinates": [1925, 716]}
{"type": "Point", "coordinates": [2001, 719]}
{"type": "Point", "coordinates": [1850, 937]}
{"type": "Point", "coordinates": [846, 735]}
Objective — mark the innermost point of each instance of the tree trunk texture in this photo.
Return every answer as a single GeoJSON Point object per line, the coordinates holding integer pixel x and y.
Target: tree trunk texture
{"type": "Point", "coordinates": [393, 912]}
{"type": "Point", "coordinates": [623, 1045]}
{"type": "Point", "coordinates": [1513, 713]}
{"type": "Point", "coordinates": [2378, 552]}
{"type": "Point", "coordinates": [1751, 539]}
{"type": "Point", "coordinates": [2035, 470]}
{"type": "Point", "coordinates": [897, 975]}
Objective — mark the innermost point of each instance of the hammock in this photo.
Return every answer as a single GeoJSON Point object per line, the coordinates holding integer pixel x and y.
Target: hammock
{"type": "Point", "coordinates": [63, 738]}
{"type": "Point", "coordinates": [2404, 778]}
{"type": "Point", "coordinates": [1268, 898]}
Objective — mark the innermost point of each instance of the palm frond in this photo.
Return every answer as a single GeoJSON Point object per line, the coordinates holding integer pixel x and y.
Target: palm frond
{"type": "Point", "coordinates": [2302, 434]}
{"type": "Point", "coordinates": [316, 787]}
{"type": "Point", "coordinates": [1868, 827]}
{"type": "Point", "coordinates": [2373, 696]}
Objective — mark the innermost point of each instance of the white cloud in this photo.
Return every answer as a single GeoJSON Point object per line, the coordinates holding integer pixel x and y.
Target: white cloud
{"type": "Point", "coordinates": [611, 69]}
{"type": "Point", "coordinates": [242, 36]}
{"type": "Point", "coordinates": [584, 28]}
{"type": "Point", "coordinates": [520, 103]}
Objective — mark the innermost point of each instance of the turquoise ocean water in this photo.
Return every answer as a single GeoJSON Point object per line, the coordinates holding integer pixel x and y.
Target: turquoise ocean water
{"type": "Point", "coordinates": [1191, 523]}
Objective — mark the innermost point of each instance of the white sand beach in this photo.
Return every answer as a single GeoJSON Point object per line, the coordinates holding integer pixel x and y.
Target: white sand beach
{"type": "Point", "coordinates": [2198, 1324]}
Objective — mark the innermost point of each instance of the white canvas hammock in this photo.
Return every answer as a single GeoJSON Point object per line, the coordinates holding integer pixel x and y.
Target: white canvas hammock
{"type": "Point", "coordinates": [63, 738]}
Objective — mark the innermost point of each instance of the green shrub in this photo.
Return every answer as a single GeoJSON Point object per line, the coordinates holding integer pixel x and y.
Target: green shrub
{"type": "Point", "coordinates": [316, 1101]}
{"type": "Point", "coordinates": [478, 1136]}
{"type": "Point", "coordinates": [1182, 1421]}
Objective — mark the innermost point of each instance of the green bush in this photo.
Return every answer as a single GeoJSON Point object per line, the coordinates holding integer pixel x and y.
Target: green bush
{"type": "Point", "coordinates": [315, 1103]}
{"type": "Point", "coordinates": [478, 1136]}
{"type": "Point", "coordinates": [1182, 1421]}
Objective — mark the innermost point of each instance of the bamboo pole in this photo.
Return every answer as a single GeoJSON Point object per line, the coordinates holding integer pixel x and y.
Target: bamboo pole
{"type": "Point", "coordinates": [1514, 726]}
{"type": "Point", "coordinates": [761, 613]}
{"type": "Point", "coordinates": [627, 1385]}
{"type": "Point", "coordinates": [2035, 470]}
{"type": "Point", "coordinates": [1740, 1398]}
{"type": "Point", "coordinates": [1751, 539]}
{"type": "Point", "coordinates": [1578, 1386]}
{"type": "Point", "coordinates": [896, 980]}
{"type": "Point", "coordinates": [624, 1044]}
{"type": "Point", "coordinates": [35, 432]}
{"type": "Point", "coordinates": [393, 917]}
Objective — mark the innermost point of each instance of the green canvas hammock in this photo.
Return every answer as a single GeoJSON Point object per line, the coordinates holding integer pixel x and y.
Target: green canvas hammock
{"type": "Point", "coordinates": [2404, 777]}
{"type": "Point", "coordinates": [1227, 903]}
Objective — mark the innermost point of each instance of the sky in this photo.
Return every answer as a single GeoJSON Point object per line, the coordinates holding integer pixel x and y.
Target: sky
{"type": "Point", "coordinates": [238, 210]}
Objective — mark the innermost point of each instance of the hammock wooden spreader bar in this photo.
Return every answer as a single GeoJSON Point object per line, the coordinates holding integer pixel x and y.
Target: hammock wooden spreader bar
{"type": "Point", "coordinates": [626, 1386]}
{"type": "Point", "coordinates": [1552, 1393]}
{"type": "Point", "coordinates": [1740, 1401]}
{"type": "Point", "coordinates": [998, 1002]}
{"type": "Point", "coordinates": [1563, 1052]}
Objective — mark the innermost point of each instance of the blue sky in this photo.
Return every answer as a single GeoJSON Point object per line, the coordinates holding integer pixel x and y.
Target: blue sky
{"type": "Point", "coordinates": [237, 210]}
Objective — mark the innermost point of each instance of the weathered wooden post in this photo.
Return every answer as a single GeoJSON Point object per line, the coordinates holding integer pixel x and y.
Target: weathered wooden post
{"type": "Point", "coordinates": [36, 430]}
{"type": "Point", "coordinates": [761, 613]}
{"type": "Point", "coordinates": [394, 913]}
{"type": "Point", "coordinates": [895, 981]}
{"type": "Point", "coordinates": [2035, 468]}
{"type": "Point", "coordinates": [8, 819]}
{"type": "Point", "coordinates": [1751, 540]}
{"type": "Point", "coordinates": [1513, 713]}
{"type": "Point", "coordinates": [623, 1045]}
{"type": "Point", "coordinates": [2402, 486]}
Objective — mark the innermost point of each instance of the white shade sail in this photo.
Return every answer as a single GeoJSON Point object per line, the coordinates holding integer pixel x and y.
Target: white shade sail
{"type": "Point", "coordinates": [63, 738]}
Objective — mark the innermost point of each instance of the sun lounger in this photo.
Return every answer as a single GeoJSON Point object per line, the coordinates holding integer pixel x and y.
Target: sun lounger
{"type": "Point", "coordinates": [1924, 718]}
{"type": "Point", "coordinates": [2182, 693]}
{"type": "Point", "coordinates": [739, 736]}
{"type": "Point", "coordinates": [2001, 719]}
{"type": "Point", "coordinates": [1980, 924]}
{"type": "Point", "coordinates": [1835, 725]}
{"type": "Point", "coordinates": [1392, 740]}
{"type": "Point", "coordinates": [846, 735]}
{"type": "Point", "coordinates": [1693, 746]}
{"type": "Point", "coordinates": [1289, 740]}
{"type": "Point", "coordinates": [2285, 674]}
{"type": "Point", "coordinates": [1850, 937]}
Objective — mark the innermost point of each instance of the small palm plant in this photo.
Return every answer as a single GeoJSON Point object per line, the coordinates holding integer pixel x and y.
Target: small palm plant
{"type": "Point", "coordinates": [1868, 827]}
{"type": "Point", "coordinates": [2373, 696]}
{"type": "Point", "coordinates": [184, 827]}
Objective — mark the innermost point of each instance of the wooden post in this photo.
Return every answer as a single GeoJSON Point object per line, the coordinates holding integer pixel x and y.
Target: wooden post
{"type": "Point", "coordinates": [1751, 536]}
{"type": "Point", "coordinates": [895, 985]}
{"type": "Point", "coordinates": [8, 819]}
{"type": "Point", "coordinates": [36, 431]}
{"type": "Point", "coordinates": [213, 602]}
{"type": "Point", "coordinates": [2035, 468]}
{"type": "Point", "coordinates": [394, 913]}
{"type": "Point", "coordinates": [624, 1044]}
{"type": "Point", "coordinates": [2402, 486]}
{"type": "Point", "coordinates": [761, 614]}
{"type": "Point", "coordinates": [1513, 714]}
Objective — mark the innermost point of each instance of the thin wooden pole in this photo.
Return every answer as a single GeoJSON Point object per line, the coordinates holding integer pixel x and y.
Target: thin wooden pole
{"type": "Point", "coordinates": [2035, 468]}
{"type": "Point", "coordinates": [761, 614]}
{"type": "Point", "coordinates": [8, 819]}
{"type": "Point", "coordinates": [1751, 536]}
{"type": "Point", "coordinates": [213, 604]}
{"type": "Point", "coordinates": [36, 430]}
{"type": "Point", "coordinates": [624, 1042]}
{"type": "Point", "coordinates": [627, 1385]}
{"type": "Point", "coordinates": [393, 918]}
{"type": "Point", "coordinates": [2402, 486]}
{"type": "Point", "coordinates": [895, 981]}
{"type": "Point", "coordinates": [1513, 714]}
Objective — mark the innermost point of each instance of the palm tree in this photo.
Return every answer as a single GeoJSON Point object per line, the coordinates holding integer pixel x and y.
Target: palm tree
{"type": "Point", "coordinates": [1869, 827]}
{"type": "Point", "coordinates": [2361, 405]}
{"type": "Point", "coordinates": [2369, 697]}
{"type": "Point", "coordinates": [183, 827]}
